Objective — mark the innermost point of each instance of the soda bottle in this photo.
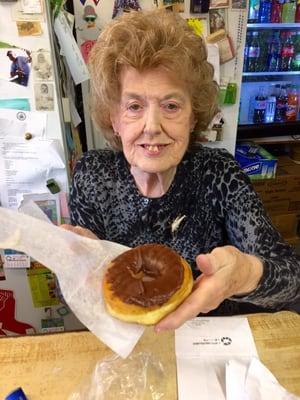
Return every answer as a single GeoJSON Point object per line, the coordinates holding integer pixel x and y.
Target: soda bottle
{"type": "Point", "coordinates": [287, 52]}
{"type": "Point", "coordinates": [297, 15]}
{"type": "Point", "coordinates": [264, 15]}
{"type": "Point", "coordinates": [265, 39]}
{"type": "Point", "coordinates": [276, 11]}
{"type": "Point", "coordinates": [259, 107]}
{"type": "Point", "coordinates": [253, 11]}
{"type": "Point", "coordinates": [296, 59]}
{"type": "Point", "coordinates": [270, 109]}
{"type": "Point", "coordinates": [288, 11]}
{"type": "Point", "coordinates": [246, 51]}
{"type": "Point", "coordinates": [281, 105]}
{"type": "Point", "coordinates": [273, 59]}
{"type": "Point", "coordinates": [253, 53]}
{"type": "Point", "coordinates": [292, 104]}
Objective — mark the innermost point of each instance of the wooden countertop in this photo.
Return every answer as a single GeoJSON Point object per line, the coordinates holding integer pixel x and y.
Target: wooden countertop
{"type": "Point", "coordinates": [52, 366]}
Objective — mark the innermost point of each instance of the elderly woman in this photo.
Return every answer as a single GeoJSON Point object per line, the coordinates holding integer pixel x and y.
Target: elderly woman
{"type": "Point", "coordinates": [151, 88]}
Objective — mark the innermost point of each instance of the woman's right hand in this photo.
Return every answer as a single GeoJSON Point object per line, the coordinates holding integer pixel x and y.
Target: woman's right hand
{"type": "Point", "coordinates": [79, 230]}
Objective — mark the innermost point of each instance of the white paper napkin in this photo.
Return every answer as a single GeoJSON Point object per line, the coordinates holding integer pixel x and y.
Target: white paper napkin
{"type": "Point", "coordinates": [78, 264]}
{"type": "Point", "coordinates": [253, 382]}
{"type": "Point", "coordinates": [217, 360]}
{"type": "Point", "coordinates": [202, 346]}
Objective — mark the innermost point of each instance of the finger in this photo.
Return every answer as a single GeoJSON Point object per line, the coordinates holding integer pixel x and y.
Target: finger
{"type": "Point", "coordinates": [205, 264]}
{"type": "Point", "coordinates": [219, 258]}
{"type": "Point", "coordinates": [79, 230]}
{"type": "Point", "coordinates": [198, 302]}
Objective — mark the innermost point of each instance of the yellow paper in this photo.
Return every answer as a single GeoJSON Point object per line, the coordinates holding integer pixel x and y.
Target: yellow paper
{"type": "Point", "coordinates": [43, 287]}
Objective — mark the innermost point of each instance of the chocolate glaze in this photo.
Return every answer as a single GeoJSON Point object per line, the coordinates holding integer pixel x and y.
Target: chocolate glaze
{"type": "Point", "coordinates": [146, 275]}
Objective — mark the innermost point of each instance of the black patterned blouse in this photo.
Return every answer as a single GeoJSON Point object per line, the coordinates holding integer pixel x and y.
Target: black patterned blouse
{"type": "Point", "coordinates": [210, 203]}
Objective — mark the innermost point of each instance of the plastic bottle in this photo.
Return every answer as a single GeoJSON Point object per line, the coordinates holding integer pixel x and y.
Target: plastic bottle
{"type": "Point", "coordinates": [264, 15]}
{"type": "Point", "coordinates": [265, 39]}
{"type": "Point", "coordinates": [276, 11]}
{"type": "Point", "coordinates": [273, 59]}
{"type": "Point", "coordinates": [246, 51]}
{"type": "Point", "coordinates": [297, 14]}
{"type": "Point", "coordinates": [230, 97]}
{"type": "Point", "coordinates": [253, 11]}
{"type": "Point", "coordinates": [281, 105]}
{"type": "Point", "coordinates": [270, 109]}
{"type": "Point", "coordinates": [296, 60]}
{"type": "Point", "coordinates": [288, 11]}
{"type": "Point", "coordinates": [253, 53]}
{"type": "Point", "coordinates": [287, 52]}
{"type": "Point", "coordinates": [222, 90]}
{"type": "Point", "coordinates": [292, 104]}
{"type": "Point", "coordinates": [260, 107]}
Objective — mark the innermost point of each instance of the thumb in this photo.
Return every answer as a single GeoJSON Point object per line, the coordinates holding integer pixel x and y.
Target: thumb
{"type": "Point", "coordinates": [205, 265]}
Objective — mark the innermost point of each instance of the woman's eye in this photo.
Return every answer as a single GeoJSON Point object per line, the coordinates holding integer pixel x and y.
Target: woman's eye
{"type": "Point", "coordinates": [171, 107]}
{"type": "Point", "coordinates": [134, 107]}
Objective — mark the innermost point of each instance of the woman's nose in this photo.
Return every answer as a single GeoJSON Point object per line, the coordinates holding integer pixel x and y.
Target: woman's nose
{"type": "Point", "coordinates": [152, 121]}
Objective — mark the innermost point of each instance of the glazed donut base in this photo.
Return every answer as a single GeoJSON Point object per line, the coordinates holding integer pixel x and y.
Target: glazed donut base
{"type": "Point", "coordinates": [147, 315]}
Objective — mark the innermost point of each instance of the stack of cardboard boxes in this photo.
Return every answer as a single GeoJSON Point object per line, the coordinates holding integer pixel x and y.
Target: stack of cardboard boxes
{"type": "Point", "coordinates": [279, 191]}
{"type": "Point", "coordinates": [281, 198]}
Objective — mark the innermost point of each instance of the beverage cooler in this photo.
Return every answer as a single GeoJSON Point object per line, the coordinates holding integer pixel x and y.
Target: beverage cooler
{"type": "Point", "coordinates": [270, 92]}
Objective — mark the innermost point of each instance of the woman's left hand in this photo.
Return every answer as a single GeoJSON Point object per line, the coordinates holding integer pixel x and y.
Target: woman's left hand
{"type": "Point", "coordinates": [79, 230]}
{"type": "Point", "coordinates": [226, 271]}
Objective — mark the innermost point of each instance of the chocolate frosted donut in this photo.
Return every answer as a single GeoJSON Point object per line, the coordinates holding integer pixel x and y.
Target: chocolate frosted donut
{"type": "Point", "coordinates": [146, 283]}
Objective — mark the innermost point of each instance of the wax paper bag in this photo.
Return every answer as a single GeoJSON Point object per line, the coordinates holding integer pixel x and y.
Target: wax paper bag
{"type": "Point", "coordinates": [78, 263]}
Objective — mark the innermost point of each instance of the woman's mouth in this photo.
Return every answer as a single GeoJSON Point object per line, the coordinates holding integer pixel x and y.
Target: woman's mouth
{"type": "Point", "coordinates": [154, 149]}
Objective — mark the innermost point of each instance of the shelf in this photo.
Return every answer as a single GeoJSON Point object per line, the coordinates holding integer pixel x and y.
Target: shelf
{"type": "Point", "coordinates": [274, 26]}
{"type": "Point", "coordinates": [288, 139]}
{"type": "Point", "coordinates": [271, 73]}
{"type": "Point", "coordinates": [291, 128]}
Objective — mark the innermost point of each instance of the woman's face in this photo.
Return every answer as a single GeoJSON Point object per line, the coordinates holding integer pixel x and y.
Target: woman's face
{"type": "Point", "coordinates": [154, 119]}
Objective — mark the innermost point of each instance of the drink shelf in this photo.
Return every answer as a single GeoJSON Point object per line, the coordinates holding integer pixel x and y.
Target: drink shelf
{"type": "Point", "coordinates": [274, 26]}
{"type": "Point", "coordinates": [271, 73]}
{"type": "Point", "coordinates": [287, 139]}
{"type": "Point", "coordinates": [275, 129]}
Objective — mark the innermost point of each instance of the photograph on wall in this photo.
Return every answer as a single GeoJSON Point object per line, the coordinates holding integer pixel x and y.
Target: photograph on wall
{"type": "Point", "coordinates": [172, 5]}
{"type": "Point", "coordinates": [15, 65]}
{"type": "Point", "coordinates": [121, 6]}
{"type": "Point", "coordinates": [29, 28]}
{"type": "Point", "coordinates": [199, 6]}
{"type": "Point", "coordinates": [41, 65]}
{"type": "Point", "coordinates": [19, 12]}
{"type": "Point", "coordinates": [218, 3]}
{"type": "Point", "coordinates": [239, 4]}
{"type": "Point", "coordinates": [44, 96]}
{"type": "Point", "coordinates": [217, 20]}
{"type": "Point", "coordinates": [32, 6]}
{"type": "Point", "coordinates": [48, 203]}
